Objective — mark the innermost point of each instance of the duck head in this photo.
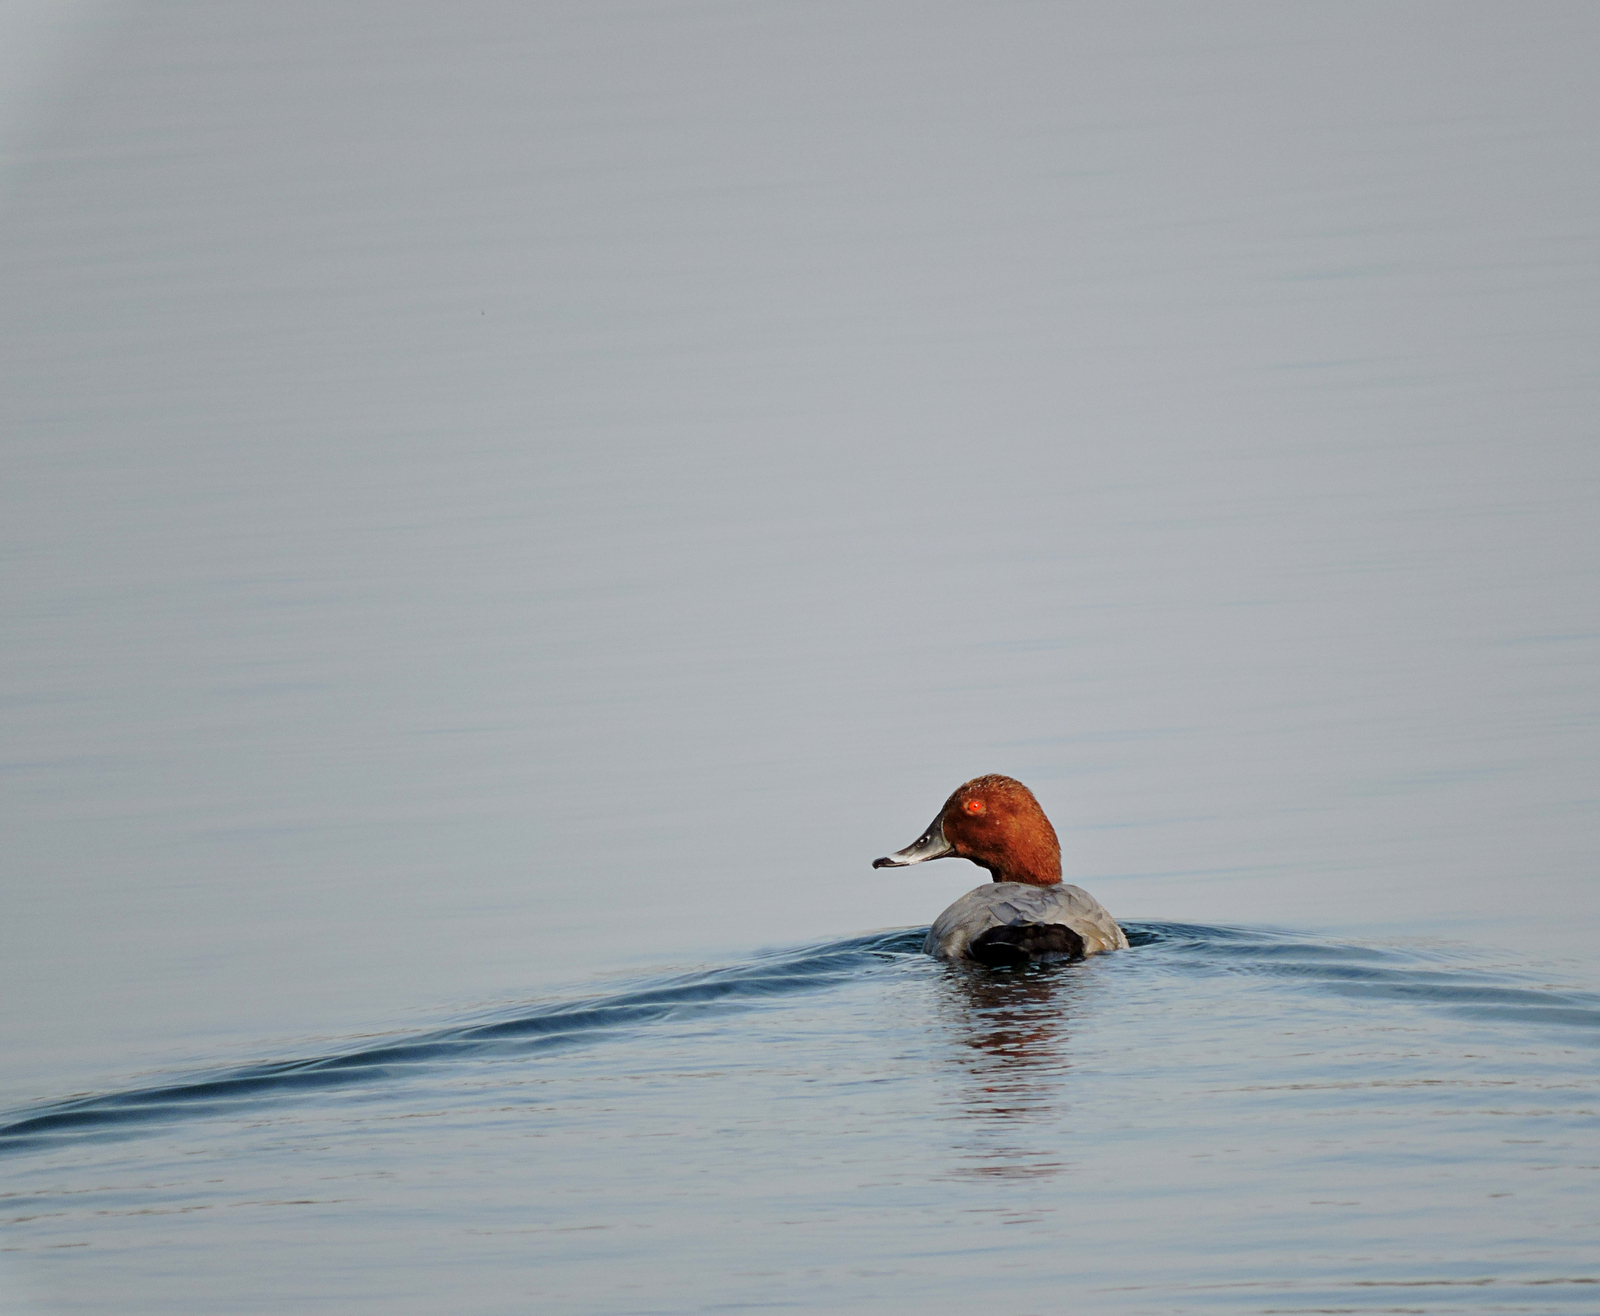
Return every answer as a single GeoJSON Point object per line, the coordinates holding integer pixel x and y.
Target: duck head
{"type": "Point", "coordinates": [995, 822]}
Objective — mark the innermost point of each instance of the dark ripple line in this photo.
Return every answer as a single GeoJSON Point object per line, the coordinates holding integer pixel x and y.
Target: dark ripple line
{"type": "Point", "coordinates": [1373, 972]}
{"type": "Point", "coordinates": [545, 1027]}
{"type": "Point", "coordinates": [1345, 970]}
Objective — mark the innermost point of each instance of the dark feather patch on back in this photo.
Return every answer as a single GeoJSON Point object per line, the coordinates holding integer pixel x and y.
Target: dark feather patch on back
{"type": "Point", "coordinates": [1020, 943]}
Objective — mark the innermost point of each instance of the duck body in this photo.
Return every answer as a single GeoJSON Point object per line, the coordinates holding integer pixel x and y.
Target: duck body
{"type": "Point", "coordinates": [1027, 913]}
{"type": "Point", "coordinates": [1016, 923]}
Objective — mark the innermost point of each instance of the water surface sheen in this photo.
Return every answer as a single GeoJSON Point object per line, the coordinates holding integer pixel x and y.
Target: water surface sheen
{"type": "Point", "coordinates": [1230, 1119]}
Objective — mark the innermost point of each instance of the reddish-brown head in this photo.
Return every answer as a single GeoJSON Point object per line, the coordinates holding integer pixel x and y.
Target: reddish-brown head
{"type": "Point", "coordinates": [995, 822]}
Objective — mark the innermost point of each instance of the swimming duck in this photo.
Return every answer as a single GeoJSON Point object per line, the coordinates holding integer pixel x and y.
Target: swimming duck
{"type": "Point", "coordinates": [1026, 913]}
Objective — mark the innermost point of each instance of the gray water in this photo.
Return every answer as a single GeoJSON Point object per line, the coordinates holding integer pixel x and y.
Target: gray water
{"type": "Point", "coordinates": [507, 509]}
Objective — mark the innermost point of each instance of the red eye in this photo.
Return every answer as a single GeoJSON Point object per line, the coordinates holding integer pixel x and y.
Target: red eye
{"type": "Point", "coordinates": [973, 806]}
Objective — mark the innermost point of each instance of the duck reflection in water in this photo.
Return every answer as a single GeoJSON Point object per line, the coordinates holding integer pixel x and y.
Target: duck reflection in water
{"type": "Point", "coordinates": [1008, 1031]}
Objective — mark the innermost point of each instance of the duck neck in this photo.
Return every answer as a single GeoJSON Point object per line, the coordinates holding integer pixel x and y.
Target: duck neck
{"type": "Point", "coordinates": [1039, 873]}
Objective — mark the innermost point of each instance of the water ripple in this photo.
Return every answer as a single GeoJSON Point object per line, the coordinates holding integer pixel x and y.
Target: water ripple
{"type": "Point", "coordinates": [540, 1028]}
{"type": "Point", "coordinates": [1347, 970]}
{"type": "Point", "coordinates": [1413, 975]}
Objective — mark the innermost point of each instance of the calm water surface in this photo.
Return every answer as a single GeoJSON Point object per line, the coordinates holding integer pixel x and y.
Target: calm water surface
{"type": "Point", "coordinates": [506, 509]}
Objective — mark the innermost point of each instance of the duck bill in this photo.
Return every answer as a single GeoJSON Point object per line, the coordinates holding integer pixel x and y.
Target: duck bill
{"type": "Point", "coordinates": [930, 845]}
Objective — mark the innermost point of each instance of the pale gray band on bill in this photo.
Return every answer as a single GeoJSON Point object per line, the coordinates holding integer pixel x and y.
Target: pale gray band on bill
{"type": "Point", "coordinates": [930, 845]}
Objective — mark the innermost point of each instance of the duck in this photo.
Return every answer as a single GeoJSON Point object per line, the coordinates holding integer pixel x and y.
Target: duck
{"type": "Point", "coordinates": [1026, 914]}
